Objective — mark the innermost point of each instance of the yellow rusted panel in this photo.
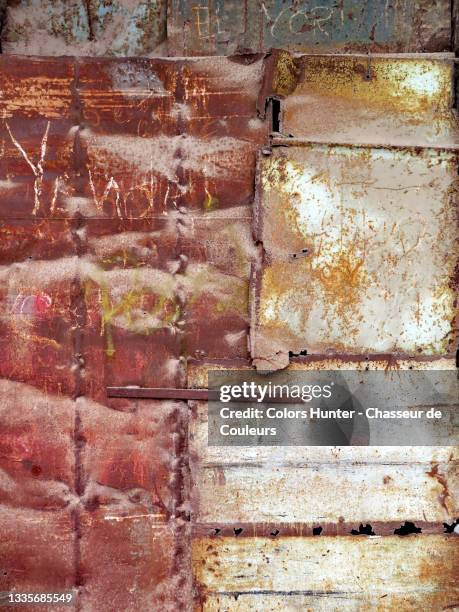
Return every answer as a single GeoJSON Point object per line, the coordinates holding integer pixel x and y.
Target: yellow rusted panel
{"type": "Point", "coordinates": [386, 100]}
{"type": "Point", "coordinates": [328, 566]}
{"type": "Point", "coordinates": [365, 261]}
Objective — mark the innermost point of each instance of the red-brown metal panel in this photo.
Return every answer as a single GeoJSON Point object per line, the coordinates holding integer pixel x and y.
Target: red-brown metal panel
{"type": "Point", "coordinates": [127, 225]}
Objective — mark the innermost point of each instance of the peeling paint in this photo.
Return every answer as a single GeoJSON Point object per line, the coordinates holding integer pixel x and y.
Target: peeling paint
{"type": "Point", "coordinates": [381, 229]}
{"type": "Point", "coordinates": [84, 27]}
{"type": "Point", "coordinates": [223, 27]}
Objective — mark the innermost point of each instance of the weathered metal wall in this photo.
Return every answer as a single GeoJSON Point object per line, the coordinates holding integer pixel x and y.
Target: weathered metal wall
{"type": "Point", "coordinates": [151, 230]}
{"type": "Point", "coordinates": [356, 221]}
{"type": "Point", "coordinates": [273, 525]}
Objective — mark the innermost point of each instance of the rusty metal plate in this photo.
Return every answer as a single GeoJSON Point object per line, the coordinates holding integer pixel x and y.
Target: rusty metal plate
{"type": "Point", "coordinates": [131, 458]}
{"type": "Point", "coordinates": [331, 573]}
{"type": "Point", "coordinates": [37, 459]}
{"type": "Point", "coordinates": [403, 100]}
{"type": "Point", "coordinates": [27, 533]}
{"type": "Point", "coordinates": [127, 246]}
{"type": "Point", "coordinates": [128, 139]}
{"type": "Point", "coordinates": [223, 27]}
{"type": "Point", "coordinates": [79, 27]}
{"type": "Point", "coordinates": [168, 157]}
{"type": "Point", "coordinates": [367, 257]}
{"type": "Point", "coordinates": [121, 171]}
{"type": "Point", "coordinates": [38, 324]}
{"type": "Point", "coordinates": [144, 564]}
{"type": "Point", "coordinates": [164, 135]}
{"type": "Point", "coordinates": [281, 494]}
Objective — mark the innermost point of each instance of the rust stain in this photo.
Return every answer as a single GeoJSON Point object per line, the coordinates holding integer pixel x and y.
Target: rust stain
{"type": "Point", "coordinates": [128, 260]}
{"type": "Point", "coordinates": [445, 494]}
{"type": "Point", "coordinates": [286, 74]}
{"type": "Point", "coordinates": [358, 254]}
{"type": "Point", "coordinates": [390, 100]}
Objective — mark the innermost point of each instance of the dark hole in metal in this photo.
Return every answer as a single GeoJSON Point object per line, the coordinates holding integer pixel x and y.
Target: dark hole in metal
{"type": "Point", "coordinates": [363, 530]}
{"type": "Point", "coordinates": [407, 528]}
{"type": "Point", "coordinates": [450, 528]}
{"type": "Point", "coordinates": [275, 117]}
{"type": "Point", "coordinates": [316, 531]}
{"type": "Point", "coordinates": [455, 85]}
{"type": "Point", "coordinates": [301, 253]}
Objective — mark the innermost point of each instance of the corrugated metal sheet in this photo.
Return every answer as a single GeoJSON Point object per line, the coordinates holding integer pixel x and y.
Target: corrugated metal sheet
{"type": "Point", "coordinates": [222, 27]}
{"type": "Point", "coordinates": [126, 190]}
{"type": "Point", "coordinates": [83, 484]}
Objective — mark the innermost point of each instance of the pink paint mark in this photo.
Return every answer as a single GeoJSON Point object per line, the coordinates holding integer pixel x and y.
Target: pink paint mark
{"type": "Point", "coordinates": [35, 305]}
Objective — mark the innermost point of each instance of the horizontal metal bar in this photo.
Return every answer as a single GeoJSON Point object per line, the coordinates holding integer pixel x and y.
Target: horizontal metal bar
{"type": "Point", "coordinates": [203, 395]}
{"type": "Point", "coordinates": [158, 393]}
{"type": "Point", "coordinates": [284, 141]}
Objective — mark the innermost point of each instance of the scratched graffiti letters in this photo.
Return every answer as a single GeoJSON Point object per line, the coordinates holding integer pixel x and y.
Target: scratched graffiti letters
{"type": "Point", "coordinates": [38, 170]}
{"type": "Point", "coordinates": [298, 21]}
